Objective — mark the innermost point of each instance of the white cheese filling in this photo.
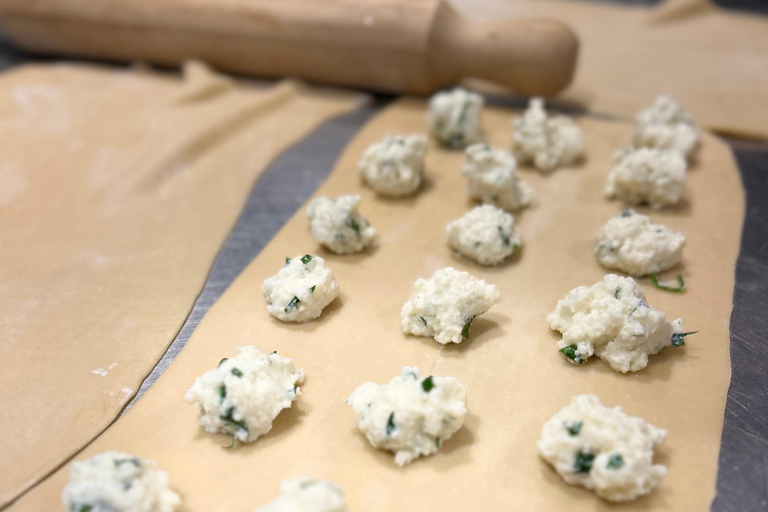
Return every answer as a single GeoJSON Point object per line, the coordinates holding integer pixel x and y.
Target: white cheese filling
{"type": "Point", "coordinates": [394, 166]}
{"type": "Point", "coordinates": [543, 141]}
{"type": "Point", "coordinates": [301, 289]}
{"type": "Point", "coordinates": [411, 416]}
{"type": "Point", "coordinates": [655, 177]}
{"type": "Point", "coordinates": [603, 449]}
{"type": "Point", "coordinates": [118, 482]}
{"type": "Point", "coordinates": [454, 118]}
{"type": "Point", "coordinates": [485, 234]}
{"type": "Point", "coordinates": [445, 305]}
{"type": "Point", "coordinates": [336, 224]}
{"type": "Point", "coordinates": [492, 178]}
{"type": "Point", "coordinates": [613, 321]}
{"type": "Point", "coordinates": [635, 245]}
{"type": "Point", "coordinates": [245, 393]}
{"type": "Point", "coordinates": [305, 495]}
{"type": "Point", "coordinates": [665, 125]}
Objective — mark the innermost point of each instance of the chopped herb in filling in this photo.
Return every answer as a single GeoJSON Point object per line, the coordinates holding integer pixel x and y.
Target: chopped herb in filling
{"type": "Point", "coordinates": [85, 508]}
{"type": "Point", "coordinates": [236, 372]}
{"type": "Point", "coordinates": [572, 353]}
{"type": "Point", "coordinates": [615, 462]}
{"type": "Point", "coordinates": [573, 427]}
{"type": "Point", "coordinates": [438, 442]}
{"type": "Point", "coordinates": [391, 424]}
{"type": "Point", "coordinates": [423, 320]}
{"type": "Point", "coordinates": [465, 329]}
{"type": "Point", "coordinates": [427, 384]}
{"type": "Point", "coordinates": [312, 289]}
{"type": "Point", "coordinates": [677, 338]}
{"type": "Point", "coordinates": [222, 361]}
{"type": "Point", "coordinates": [222, 392]}
{"type": "Point", "coordinates": [617, 293]}
{"type": "Point", "coordinates": [306, 259]}
{"type": "Point", "coordinates": [504, 237]}
{"type": "Point", "coordinates": [136, 462]}
{"type": "Point", "coordinates": [240, 424]}
{"type": "Point", "coordinates": [680, 284]}
{"type": "Point", "coordinates": [583, 462]}
{"type": "Point", "coordinates": [354, 226]}
{"type": "Point", "coordinates": [291, 304]}
{"type": "Point", "coordinates": [287, 261]}
{"type": "Point", "coordinates": [628, 212]}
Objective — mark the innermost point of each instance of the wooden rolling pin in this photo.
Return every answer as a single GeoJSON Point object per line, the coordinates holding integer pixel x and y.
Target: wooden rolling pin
{"type": "Point", "coordinates": [414, 46]}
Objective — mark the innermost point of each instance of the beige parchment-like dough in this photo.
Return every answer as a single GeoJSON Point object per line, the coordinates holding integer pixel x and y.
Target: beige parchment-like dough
{"type": "Point", "coordinates": [514, 376]}
{"type": "Point", "coordinates": [117, 189]}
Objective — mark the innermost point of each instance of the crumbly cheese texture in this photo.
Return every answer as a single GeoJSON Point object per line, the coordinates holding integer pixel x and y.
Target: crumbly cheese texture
{"type": "Point", "coordinates": [665, 125]}
{"type": "Point", "coordinates": [454, 118]}
{"type": "Point", "coordinates": [411, 416]}
{"type": "Point", "coordinates": [492, 178]}
{"type": "Point", "coordinates": [301, 289]}
{"type": "Point", "coordinates": [485, 234]}
{"type": "Point", "coordinates": [543, 141]}
{"type": "Point", "coordinates": [655, 177]}
{"type": "Point", "coordinates": [613, 321]}
{"type": "Point", "coordinates": [305, 495]}
{"type": "Point", "coordinates": [118, 482]}
{"type": "Point", "coordinates": [245, 393]}
{"type": "Point", "coordinates": [338, 225]}
{"type": "Point", "coordinates": [394, 166]}
{"type": "Point", "coordinates": [445, 305]}
{"type": "Point", "coordinates": [603, 449]}
{"type": "Point", "coordinates": [635, 245]}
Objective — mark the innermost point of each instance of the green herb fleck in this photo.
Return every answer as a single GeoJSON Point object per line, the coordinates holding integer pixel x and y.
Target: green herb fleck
{"type": "Point", "coordinates": [86, 508]}
{"type": "Point", "coordinates": [504, 237]}
{"type": "Point", "coordinates": [573, 427]}
{"type": "Point", "coordinates": [291, 304]}
{"type": "Point", "coordinates": [222, 361]}
{"type": "Point", "coordinates": [222, 392]}
{"type": "Point", "coordinates": [617, 293]}
{"type": "Point", "coordinates": [423, 320]}
{"type": "Point", "coordinates": [306, 258]}
{"type": "Point", "coordinates": [438, 443]}
{"type": "Point", "coordinates": [312, 289]}
{"type": "Point", "coordinates": [677, 338]}
{"type": "Point", "coordinates": [354, 225]}
{"type": "Point", "coordinates": [628, 212]}
{"type": "Point", "coordinates": [583, 462]}
{"type": "Point", "coordinates": [287, 261]}
{"type": "Point", "coordinates": [307, 483]}
{"type": "Point", "coordinates": [680, 284]}
{"type": "Point", "coordinates": [427, 384]}
{"type": "Point", "coordinates": [572, 353]}
{"type": "Point", "coordinates": [236, 372]}
{"type": "Point", "coordinates": [615, 462]}
{"type": "Point", "coordinates": [135, 461]}
{"type": "Point", "coordinates": [273, 352]}
{"type": "Point", "coordinates": [391, 424]}
{"type": "Point", "coordinates": [240, 424]}
{"type": "Point", "coordinates": [465, 329]}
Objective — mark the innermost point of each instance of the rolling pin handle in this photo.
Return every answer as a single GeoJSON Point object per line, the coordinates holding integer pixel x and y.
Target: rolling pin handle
{"type": "Point", "coordinates": [529, 56]}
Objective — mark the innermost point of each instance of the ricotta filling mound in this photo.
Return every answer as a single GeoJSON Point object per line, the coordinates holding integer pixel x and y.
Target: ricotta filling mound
{"type": "Point", "coordinates": [118, 482]}
{"type": "Point", "coordinates": [245, 393]}
{"type": "Point", "coordinates": [394, 166]}
{"type": "Point", "coordinates": [485, 234]}
{"type": "Point", "coordinates": [613, 321]}
{"type": "Point", "coordinates": [454, 118]}
{"type": "Point", "coordinates": [305, 495]}
{"type": "Point", "coordinates": [635, 245]}
{"type": "Point", "coordinates": [336, 224]}
{"type": "Point", "coordinates": [655, 177]}
{"type": "Point", "coordinates": [492, 178]}
{"type": "Point", "coordinates": [411, 416]}
{"type": "Point", "coordinates": [301, 289]}
{"type": "Point", "coordinates": [445, 305]}
{"type": "Point", "coordinates": [603, 449]}
{"type": "Point", "coordinates": [665, 125]}
{"type": "Point", "coordinates": [544, 141]}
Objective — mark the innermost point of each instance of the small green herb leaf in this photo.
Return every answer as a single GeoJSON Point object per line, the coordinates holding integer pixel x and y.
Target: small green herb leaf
{"type": "Point", "coordinates": [572, 353]}
{"type": "Point", "coordinates": [677, 338]}
{"type": "Point", "coordinates": [222, 361]}
{"type": "Point", "coordinates": [312, 289]}
{"type": "Point", "coordinates": [354, 225]}
{"type": "Point", "coordinates": [306, 258]}
{"type": "Point", "coordinates": [504, 236]}
{"type": "Point", "coordinates": [287, 261]}
{"type": "Point", "coordinates": [617, 293]}
{"type": "Point", "coordinates": [616, 461]}
{"type": "Point", "coordinates": [240, 424]}
{"type": "Point", "coordinates": [135, 461]}
{"type": "Point", "coordinates": [628, 212]}
{"type": "Point", "coordinates": [86, 508]}
{"type": "Point", "coordinates": [680, 284]}
{"type": "Point", "coordinates": [438, 443]}
{"type": "Point", "coordinates": [291, 304]}
{"type": "Point", "coordinates": [583, 462]}
{"type": "Point", "coordinates": [423, 320]}
{"type": "Point", "coordinates": [222, 392]}
{"type": "Point", "coordinates": [465, 329]}
{"type": "Point", "coordinates": [273, 352]}
{"type": "Point", "coordinates": [573, 427]}
{"type": "Point", "coordinates": [391, 424]}
{"type": "Point", "coordinates": [236, 372]}
{"type": "Point", "coordinates": [427, 384]}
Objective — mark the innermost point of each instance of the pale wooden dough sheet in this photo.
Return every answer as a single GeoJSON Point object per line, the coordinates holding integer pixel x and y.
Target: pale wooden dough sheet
{"type": "Point", "coordinates": [117, 189]}
{"type": "Point", "coordinates": [514, 376]}
{"type": "Point", "coordinates": [713, 61]}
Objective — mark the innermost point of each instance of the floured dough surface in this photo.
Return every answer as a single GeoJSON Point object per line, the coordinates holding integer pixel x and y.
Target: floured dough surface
{"type": "Point", "coordinates": [514, 377]}
{"type": "Point", "coordinates": [307, 495]}
{"type": "Point", "coordinates": [117, 189]}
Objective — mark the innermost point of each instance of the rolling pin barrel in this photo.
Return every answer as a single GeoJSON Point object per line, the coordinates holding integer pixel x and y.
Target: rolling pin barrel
{"type": "Point", "coordinates": [413, 46]}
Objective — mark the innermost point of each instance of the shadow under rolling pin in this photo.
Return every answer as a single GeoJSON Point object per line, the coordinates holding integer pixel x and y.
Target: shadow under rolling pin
{"type": "Point", "coordinates": [397, 46]}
